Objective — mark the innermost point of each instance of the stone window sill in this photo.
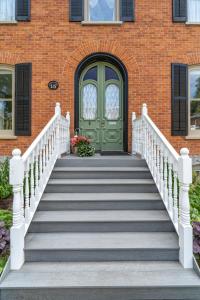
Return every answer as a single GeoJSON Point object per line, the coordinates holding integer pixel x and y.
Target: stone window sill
{"type": "Point", "coordinates": [193, 23]}
{"type": "Point", "coordinates": [8, 137]}
{"type": "Point", "coordinates": [8, 22]}
{"type": "Point", "coordinates": [101, 23]}
{"type": "Point", "coordinates": [192, 137]}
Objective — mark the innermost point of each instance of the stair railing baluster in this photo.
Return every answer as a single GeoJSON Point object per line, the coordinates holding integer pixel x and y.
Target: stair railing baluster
{"type": "Point", "coordinates": [170, 201]}
{"type": "Point", "coordinates": [172, 173]}
{"type": "Point", "coordinates": [29, 175]}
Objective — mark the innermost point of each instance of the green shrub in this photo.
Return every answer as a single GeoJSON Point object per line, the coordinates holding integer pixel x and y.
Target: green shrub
{"type": "Point", "coordinates": [5, 187]}
{"type": "Point", "coordinates": [6, 217]}
{"type": "Point", "coordinates": [195, 198]}
{"type": "Point", "coordinates": [3, 260]}
{"type": "Point", "coordinates": [86, 150]}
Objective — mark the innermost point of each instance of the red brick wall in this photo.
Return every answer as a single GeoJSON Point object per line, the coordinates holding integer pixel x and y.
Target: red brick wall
{"type": "Point", "coordinates": [55, 47]}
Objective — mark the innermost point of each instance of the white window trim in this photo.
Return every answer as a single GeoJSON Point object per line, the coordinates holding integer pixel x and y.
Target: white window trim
{"type": "Point", "coordinates": [14, 21]}
{"type": "Point", "coordinates": [192, 134]}
{"type": "Point", "coordinates": [190, 22]}
{"type": "Point", "coordinates": [9, 134]}
{"type": "Point", "coordinates": [88, 22]}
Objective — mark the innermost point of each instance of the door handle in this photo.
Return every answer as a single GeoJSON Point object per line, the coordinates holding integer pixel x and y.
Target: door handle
{"type": "Point", "coordinates": [103, 123]}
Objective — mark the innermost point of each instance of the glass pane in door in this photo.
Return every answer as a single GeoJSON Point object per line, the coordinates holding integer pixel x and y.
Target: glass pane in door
{"type": "Point", "coordinates": [112, 102]}
{"type": "Point", "coordinates": [89, 102]}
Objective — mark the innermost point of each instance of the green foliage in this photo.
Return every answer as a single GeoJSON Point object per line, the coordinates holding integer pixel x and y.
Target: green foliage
{"type": "Point", "coordinates": [195, 198]}
{"type": "Point", "coordinates": [3, 260]}
{"type": "Point", "coordinates": [86, 150]}
{"type": "Point", "coordinates": [5, 187]}
{"type": "Point", "coordinates": [6, 217]}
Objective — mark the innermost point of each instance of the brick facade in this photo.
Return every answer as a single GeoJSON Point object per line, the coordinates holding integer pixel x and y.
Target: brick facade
{"type": "Point", "coordinates": [56, 46]}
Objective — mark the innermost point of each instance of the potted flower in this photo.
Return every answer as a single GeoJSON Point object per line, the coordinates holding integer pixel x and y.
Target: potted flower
{"type": "Point", "coordinates": [81, 145]}
{"type": "Point", "coordinates": [78, 140]}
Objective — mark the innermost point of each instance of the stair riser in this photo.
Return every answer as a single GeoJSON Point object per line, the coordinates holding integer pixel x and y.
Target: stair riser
{"type": "Point", "coordinates": [100, 162]}
{"type": "Point", "coordinates": [101, 188]}
{"type": "Point", "coordinates": [41, 227]}
{"type": "Point", "coordinates": [102, 293]}
{"type": "Point", "coordinates": [105, 205]}
{"type": "Point", "coordinates": [101, 255]}
{"type": "Point", "coordinates": [101, 175]}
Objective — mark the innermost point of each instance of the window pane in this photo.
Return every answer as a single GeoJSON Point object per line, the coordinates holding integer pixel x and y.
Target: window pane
{"type": "Point", "coordinates": [195, 84]}
{"type": "Point", "coordinates": [5, 115]}
{"type": "Point", "coordinates": [91, 74]}
{"type": "Point", "coordinates": [6, 86]}
{"type": "Point", "coordinates": [7, 10]}
{"type": "Point", "coordinates": [101, 10]}
{"type": "Point", "coordinates": [194, 11]}
{"type": "Point", "coordinates": [111, 74]}
{"type": "Point", "coordinates": [89, 102]}
{"type": "Point", "coordinates": [195, 115]}
{"type": "Point", "coordinates": [112, 102]}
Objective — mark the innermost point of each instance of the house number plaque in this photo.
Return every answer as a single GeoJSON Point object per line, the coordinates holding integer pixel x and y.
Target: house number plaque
{"type": "Point", "coordinates": [53, 85]}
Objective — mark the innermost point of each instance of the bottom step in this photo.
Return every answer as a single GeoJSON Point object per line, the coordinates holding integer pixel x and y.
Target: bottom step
{"type": "Point", "coordinates": [101, 281]}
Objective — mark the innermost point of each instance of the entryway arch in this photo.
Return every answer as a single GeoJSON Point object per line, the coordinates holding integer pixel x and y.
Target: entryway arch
{"type": "Point", "coordinates": [101, 102]}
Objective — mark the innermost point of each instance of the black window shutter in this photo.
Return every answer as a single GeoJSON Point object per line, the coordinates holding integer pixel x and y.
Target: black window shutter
{"type": "Point", "coordinates": [179, 10]}
{"type": "Point", "coordinates": [179, 100]}
{"type": "Point", "coordinates": [23, 91]}
{"type": "Point", "coordinates": [127, 10]}
{"type": "Point", "coordinates": [76, 10]}
{"type": "Point", "coordinates": [23, 10]}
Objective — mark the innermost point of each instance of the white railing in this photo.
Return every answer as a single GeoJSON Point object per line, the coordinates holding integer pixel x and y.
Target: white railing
{"type": "Point", "coordinates": [172, 174]}
{"type": "Point", "coordinates": [29, 175]}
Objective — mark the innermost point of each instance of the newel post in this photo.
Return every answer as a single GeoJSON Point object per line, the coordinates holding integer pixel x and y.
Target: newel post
{"type": "Point", "coordinates": [185, 228]}
{"type": "Point", "coordinates": [58, 133]}
{"type": "Point", "coordinates": [18, 229]}
{"type": "Point", "coordinates": [68, 132]}
{"type": "Point", "coordinates": [143, 135]}
{"type": "Point", "coordinates": [134, 137]}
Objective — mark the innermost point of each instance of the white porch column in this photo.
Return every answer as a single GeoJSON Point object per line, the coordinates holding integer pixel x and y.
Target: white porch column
{"type": "Point", "coordinates": [58, 133]}
{"type": "Point", "coordinates": [68, 132]}
{"type": "Point", "coordinates": [143, 131]}
{"type": "Point", "coordinates": [18, 229]}
{"type": "Point", "coordinates": [185, 228]}
{"type": "Point", "coordinates": [133, 134]}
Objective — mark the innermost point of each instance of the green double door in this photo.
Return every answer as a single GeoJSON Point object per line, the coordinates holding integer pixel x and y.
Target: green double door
{"type": "Point", "coordinates": [101, 106]}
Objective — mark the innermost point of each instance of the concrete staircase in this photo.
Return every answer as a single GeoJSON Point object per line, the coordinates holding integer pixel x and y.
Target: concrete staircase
{"type": "Point", "coordinates": [101, 232]}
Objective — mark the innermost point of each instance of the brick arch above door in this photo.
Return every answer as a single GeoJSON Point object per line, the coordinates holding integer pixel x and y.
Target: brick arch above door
{"type": "Point", "coordinates": [114, 48]}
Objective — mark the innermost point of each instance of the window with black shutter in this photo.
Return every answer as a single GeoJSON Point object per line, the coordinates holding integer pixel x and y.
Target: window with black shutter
{"type": "Point", "coordinates": [127, 10]}
{"type": "Point", "coordinates": [7, 98]}
{"type": "Point", "coordinates": [23, 10]}
{"type": "Point", "coordinates": [194, 100]}
{"type": "Point", "coordinates": [102, 11]}
{"type": "Point", "coordinates": [23, 91]}
{"type": "Point", "coordinates": [76, 10]}
{"type": "Point", "coordinates": [179, 10]}
{"type": "Point", "coordinates": [179, 100]}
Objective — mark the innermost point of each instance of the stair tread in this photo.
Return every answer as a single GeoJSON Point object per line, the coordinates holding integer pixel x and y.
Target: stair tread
{"type": "Point", "coordinates": [101, 181]}
{"type": "Point", "coordinates": [100, 196]}
{"type": "Point", "coordinates": [101, 216]}
{"type": "Point", "coordinates": [102, 274]}
{"type": "Point", "coordinates": [114, 241]}
{"type": "Point", "coordinates": [101, 169]}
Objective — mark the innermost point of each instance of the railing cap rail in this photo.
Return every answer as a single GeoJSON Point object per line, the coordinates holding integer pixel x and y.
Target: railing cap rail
{"type": "Point", "coordinates": [162, 138]}
{"type": "Point", "coordinates": [41, 134]}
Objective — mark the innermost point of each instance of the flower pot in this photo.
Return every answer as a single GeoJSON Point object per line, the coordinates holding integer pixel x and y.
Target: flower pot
{"type": "Point", "coordinates": [74, 150]}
